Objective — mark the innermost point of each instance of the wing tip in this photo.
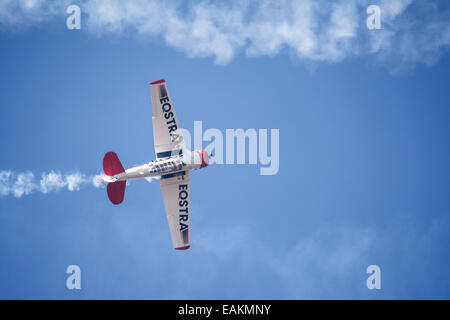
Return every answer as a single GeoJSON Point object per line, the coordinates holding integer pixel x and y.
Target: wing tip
{"type": "Point", "coordinates": [183, 248]}
{"type": "Point", "coordinates": [158, 81]}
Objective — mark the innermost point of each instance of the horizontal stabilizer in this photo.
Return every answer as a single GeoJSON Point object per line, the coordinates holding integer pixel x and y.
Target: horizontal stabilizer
{"type": "Point", "coordinates": [111, 164]}
{"type": "Point", "coordinates": [116, 191]}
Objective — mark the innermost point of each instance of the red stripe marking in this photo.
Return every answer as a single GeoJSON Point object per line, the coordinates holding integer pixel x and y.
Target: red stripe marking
{"type": "Point", "coordinates": [183, 248]}
{"type": "Point", "coordinates": [158, 81]}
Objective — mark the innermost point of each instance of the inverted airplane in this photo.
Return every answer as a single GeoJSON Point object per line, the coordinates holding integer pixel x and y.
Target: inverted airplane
{"type": "Point", "coordinates": [173, 164]}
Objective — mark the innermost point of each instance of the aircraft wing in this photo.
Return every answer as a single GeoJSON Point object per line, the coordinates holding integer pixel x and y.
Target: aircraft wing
{"type": "Point", "coordinates": [176, 189]}
{"type": "Point", "coordinates": [167, 135]}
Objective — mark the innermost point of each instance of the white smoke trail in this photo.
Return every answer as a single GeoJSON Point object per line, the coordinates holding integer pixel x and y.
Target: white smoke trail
{"type": "Point", "coordinates": [25, 183]}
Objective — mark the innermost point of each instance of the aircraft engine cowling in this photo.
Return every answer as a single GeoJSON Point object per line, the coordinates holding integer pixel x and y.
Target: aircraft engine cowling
{"type": "Point", "coordinates": [205, 158]}
{"type": "Point", "coordinates": [197, 159]}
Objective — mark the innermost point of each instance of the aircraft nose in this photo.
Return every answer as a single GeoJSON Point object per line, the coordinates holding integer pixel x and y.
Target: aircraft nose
{"type": "Point", "coordinates": [205, 159]}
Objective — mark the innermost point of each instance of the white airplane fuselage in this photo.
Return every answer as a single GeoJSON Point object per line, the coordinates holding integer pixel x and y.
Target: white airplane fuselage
{"type": "Point", "coordinates": [166, 166]}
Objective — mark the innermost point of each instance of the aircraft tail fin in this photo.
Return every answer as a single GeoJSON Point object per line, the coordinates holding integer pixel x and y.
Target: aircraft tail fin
{"type": "Point", "coordinates": [116, 191]}
{"type": "Point", "coordinates": [111, 167]}
{"type": "Point", "coordinates": [111, 164]}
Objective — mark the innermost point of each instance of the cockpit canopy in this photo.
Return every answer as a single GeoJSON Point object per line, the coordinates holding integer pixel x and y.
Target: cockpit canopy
{"type": "Point", "coordinates": [162, 166]}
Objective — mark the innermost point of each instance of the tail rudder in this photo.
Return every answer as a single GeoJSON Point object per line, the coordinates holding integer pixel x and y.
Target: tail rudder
{"type": "Point", "coordinates": [111, 167]}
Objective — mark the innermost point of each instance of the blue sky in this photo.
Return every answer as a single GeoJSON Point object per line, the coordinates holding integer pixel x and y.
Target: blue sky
{"type": "Point", "coordinates": [363, 119]}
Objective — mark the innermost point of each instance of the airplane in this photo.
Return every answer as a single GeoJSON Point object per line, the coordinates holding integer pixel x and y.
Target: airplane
{"type": "Point", "coordinates": [173, 164]}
